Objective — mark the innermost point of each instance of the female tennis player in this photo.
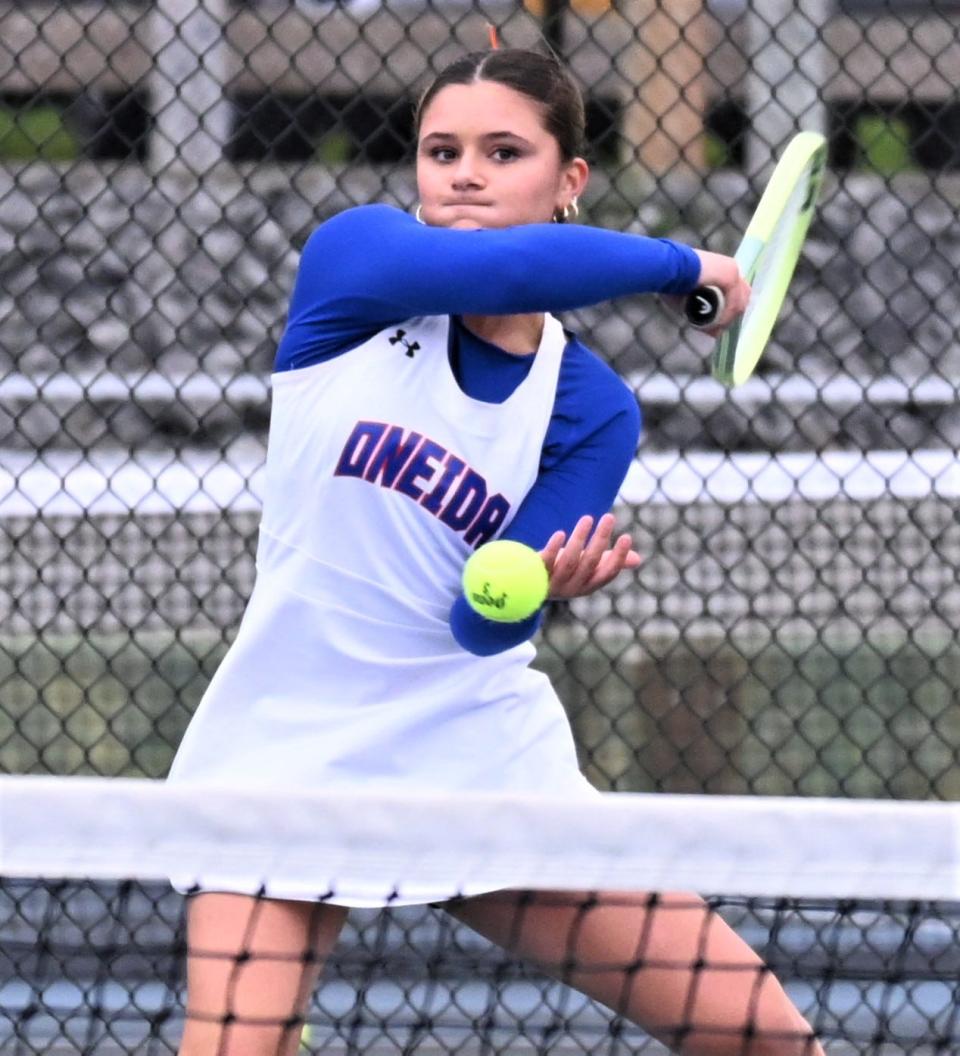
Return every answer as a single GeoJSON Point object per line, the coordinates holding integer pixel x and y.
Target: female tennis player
{"type": "Point", "coordinates": [425, 401]}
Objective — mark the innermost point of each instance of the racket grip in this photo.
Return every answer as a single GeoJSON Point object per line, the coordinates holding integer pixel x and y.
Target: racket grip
{"type": "Point", "coordinates": [704, 306]}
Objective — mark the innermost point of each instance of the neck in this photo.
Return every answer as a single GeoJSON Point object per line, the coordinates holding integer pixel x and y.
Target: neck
{"type": "Point", "coordinates": [517, 334]}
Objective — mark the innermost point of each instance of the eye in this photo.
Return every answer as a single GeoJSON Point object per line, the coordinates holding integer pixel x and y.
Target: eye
{"type": "Point", "coordinates": [506, 153]}
{"type": "Point", "coordinates": [443, 154]}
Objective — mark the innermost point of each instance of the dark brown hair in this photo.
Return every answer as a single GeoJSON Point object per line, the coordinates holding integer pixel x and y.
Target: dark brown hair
{"type": "Point", "coordinates": [537, 76]}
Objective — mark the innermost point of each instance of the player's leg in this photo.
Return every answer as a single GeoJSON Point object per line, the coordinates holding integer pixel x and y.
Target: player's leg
{"type": "Point", "coordinates": [661, 962]}
{"type": "Point", "coordinates": [252, 965]}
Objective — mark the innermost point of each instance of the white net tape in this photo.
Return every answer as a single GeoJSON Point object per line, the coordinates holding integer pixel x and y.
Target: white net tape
{"type": "Point", "coordinates": [116, 828]}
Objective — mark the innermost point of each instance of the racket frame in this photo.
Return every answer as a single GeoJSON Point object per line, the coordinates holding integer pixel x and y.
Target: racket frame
{"type": "Point", "coordinates": [805, 158]}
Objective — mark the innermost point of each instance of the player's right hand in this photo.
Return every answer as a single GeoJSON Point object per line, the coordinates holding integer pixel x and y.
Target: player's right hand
{"type": "Point", "coordinates": [717, 269]}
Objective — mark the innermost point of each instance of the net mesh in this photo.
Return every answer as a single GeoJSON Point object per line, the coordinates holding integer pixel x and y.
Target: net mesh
{"type": "Point", "coordinates": [840, 915]}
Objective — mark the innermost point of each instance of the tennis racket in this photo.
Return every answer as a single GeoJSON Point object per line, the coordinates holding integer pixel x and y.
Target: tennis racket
{"type": "Point", "coordinates": [767, 256]}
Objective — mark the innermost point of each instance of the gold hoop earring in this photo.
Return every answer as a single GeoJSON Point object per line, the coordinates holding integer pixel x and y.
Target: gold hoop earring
{"type": "Point", "coordinates": [418, 214]}
{"type": "Point", "coordinates": [571, 211]}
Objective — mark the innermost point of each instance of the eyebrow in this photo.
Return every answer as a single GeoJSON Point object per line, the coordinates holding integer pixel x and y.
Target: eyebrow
{"type": "Point", "coordinates": [450, 137]}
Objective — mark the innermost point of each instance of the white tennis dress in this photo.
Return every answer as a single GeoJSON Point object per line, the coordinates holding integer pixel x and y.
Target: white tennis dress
{"type": "Point", "coordinates": [382, 478]}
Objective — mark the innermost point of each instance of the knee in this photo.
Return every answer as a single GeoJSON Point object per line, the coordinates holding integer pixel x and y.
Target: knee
{"type": "Point", "coordinates": [731, 1043]}
{"type": "Point", "coordinates": [802, 1043]}
{"type": "Point", "coordinates": [235, 1039]}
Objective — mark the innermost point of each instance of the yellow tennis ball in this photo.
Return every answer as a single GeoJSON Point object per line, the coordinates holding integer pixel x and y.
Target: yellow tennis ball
{"type": "Point", "coordinates": [505, 581]}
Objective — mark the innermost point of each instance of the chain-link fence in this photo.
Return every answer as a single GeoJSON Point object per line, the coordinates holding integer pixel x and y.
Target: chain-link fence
{"type": "Point", "coordinates": [793, 629]}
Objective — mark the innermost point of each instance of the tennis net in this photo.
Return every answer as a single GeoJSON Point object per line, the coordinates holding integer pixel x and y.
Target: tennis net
{"type": "Point", "coordinates": [853, 905]}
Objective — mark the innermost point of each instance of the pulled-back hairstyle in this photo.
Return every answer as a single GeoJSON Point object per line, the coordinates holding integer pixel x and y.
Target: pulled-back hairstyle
{"type": "Point", "coordinates": [537, 76]}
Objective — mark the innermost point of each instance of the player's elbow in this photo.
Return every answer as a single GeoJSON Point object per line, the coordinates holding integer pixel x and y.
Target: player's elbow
{"type": "Point", "coordinates": [482, 637]}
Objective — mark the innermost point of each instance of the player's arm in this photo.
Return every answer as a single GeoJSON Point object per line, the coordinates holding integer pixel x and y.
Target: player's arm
{"type": "Point", "coordinates": [565, 517]}
{"type": "Point", "coordinates": [371, 266]}
{"type": "Point", "coordinates": [390, 262]}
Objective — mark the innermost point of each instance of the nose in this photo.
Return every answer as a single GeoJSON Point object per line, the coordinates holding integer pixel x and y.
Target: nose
{"type": "Point", "coordinates": [467, 173]}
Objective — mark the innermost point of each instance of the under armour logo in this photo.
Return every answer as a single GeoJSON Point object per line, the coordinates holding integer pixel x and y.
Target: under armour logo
{"type": "Point", "coordinates": [401, 337]}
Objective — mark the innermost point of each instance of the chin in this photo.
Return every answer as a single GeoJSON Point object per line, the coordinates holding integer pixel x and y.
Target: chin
{"type": "Point", "coordinates": [492, 223]}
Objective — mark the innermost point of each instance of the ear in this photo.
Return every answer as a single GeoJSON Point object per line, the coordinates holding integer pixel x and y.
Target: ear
{"type": "Point", "coordinates": [573, 181]}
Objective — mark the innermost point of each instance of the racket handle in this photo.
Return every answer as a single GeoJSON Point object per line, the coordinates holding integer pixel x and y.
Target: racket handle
{"type": "Point", "coordinates": [704, 306]}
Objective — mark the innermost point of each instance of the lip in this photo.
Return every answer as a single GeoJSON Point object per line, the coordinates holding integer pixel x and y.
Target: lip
{"type": "Point", "coordinates": [471, 203]}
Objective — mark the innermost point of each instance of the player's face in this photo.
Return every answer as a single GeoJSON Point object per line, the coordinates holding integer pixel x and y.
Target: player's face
{"type": "Point", "coordinates": [484, 159]}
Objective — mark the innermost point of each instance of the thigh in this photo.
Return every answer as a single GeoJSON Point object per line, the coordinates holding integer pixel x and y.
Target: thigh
{"type": "Point", "coordinates": [667, 962]}
{"type": "Point", "coordinates": [252, 965]}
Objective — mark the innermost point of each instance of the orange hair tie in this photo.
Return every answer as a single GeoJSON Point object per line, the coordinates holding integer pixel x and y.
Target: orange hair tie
{"type": "Point", "coordinates": [494, 39]}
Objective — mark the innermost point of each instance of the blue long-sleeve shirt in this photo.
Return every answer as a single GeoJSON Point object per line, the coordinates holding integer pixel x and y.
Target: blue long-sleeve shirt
{"type": "Point", "coordinates": [373, 266]}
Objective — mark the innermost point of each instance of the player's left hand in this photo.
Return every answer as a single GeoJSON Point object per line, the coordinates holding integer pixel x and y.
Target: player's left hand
{"type": "Point", "coordinates": [587, 562]}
